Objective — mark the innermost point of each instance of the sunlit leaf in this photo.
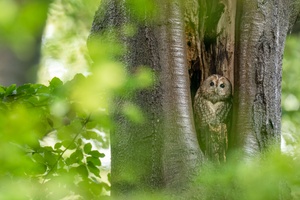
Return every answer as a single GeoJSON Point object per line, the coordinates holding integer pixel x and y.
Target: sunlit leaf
{"type": "Point", "coordinates": [82, 170]}
{"type": "Point", "coordinates": [87, 148]}
{"type": "Point", "coordinates": [58, 145]}
{"type": "Point", "coordinates": [96, 154]}
{"type": "Point", "coordinates": [95, 161]}
{"type": "Point", "coordinates": [90, 135]}
{"type": "Point", "coordinates": [69, 144]}
{"type": "Point", "coordinates": [38, 158]}
{"type": "Point", "coordinates": [50, 158]}
{"type": "Point", "coordinates": [91, 125]}
{"type": "Point", "coordinates": [56, 82]}
{"type": "Point", "coordinates": [93, 169]}
{"type": "Point", "coordinates": [11, 90]}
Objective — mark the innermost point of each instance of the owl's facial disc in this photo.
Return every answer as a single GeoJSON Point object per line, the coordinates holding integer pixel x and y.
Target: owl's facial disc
{"type": "Point", "coordinates": [220, 89]}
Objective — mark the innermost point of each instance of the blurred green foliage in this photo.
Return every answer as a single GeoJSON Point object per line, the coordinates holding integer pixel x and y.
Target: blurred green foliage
{"type": "Point", "coordinates": [141, 8]}
{"type": "Point", "coordinates": [51, 135]}
{"type": "Point", "coordinates": [25, 17]}
{"type": "Point", "coordinates": [291, 91]}
{"type": "Point", "coordinates": [68, 166]}
{"type": "Point", "coordinates": [265, 177]}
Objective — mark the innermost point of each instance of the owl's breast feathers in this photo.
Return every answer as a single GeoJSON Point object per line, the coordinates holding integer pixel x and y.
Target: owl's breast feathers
{"type": "Point", "coordinates": [212, 108]}
{"type": "Point", "coordinates": [211, 113]}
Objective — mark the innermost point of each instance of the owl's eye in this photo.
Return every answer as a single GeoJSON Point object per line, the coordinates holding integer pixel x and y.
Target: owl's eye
{"type": "Point", "coordinates": [211, 84]}
{"type": "Point", "coordinates": [222, 85]}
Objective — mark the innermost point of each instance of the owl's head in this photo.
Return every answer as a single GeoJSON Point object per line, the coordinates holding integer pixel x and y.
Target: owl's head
{"type": "Point", "coordinates": [216, 88]}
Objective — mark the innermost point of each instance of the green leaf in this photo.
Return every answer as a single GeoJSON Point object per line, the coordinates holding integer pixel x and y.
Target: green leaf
{"type": "Point", "coordinates": [39, 100]}
{"type": "Point", "coordinates": [91, 125]}
{"type": "Point", "coordinates": [93, 169]}
{"type": "Point", "coordinates": [108, 177]}
{"type": "Point", "coordinates": [38, 158]}
{"type": "Point", "coordinates": [87, 147]}
{"type": "Point", "coordinates": [68, 132]}
{"type": "Point", "coordinates": [69, 161]}
{"type": "Point", "coordinates": [50, 158]}
{"type": "Point", "coordinates": [96, 154]}
{"type": "Point", "coordinates": [25, 89]}
{"type": "Point", "coordinates": [95, 187]}
{"type": "Point", "coordinates": [78, 155]}
{"type": "Point", "coordinates": [41, 89]}
{"type": "Point", "coordinates": [79, 141]}
{"type": "Point", "coordinates": [70, 144]}
{"type": "Point", "coordinates": [95, 161]}
{"type": "Point", "coordinates": [56, 82]}
{"type": "Point", "coordinates": [75, 157]}
{"type": "Point", "coordinates": [90, 135]}
{"type": "Point", "coordinates": [82, 170]}
{"type": "Point", "coordinates": [58, 145]}
{"type": "Point", "coordinates": [2, 90]}
{"type": "Point", "coordinates": [10, 89]}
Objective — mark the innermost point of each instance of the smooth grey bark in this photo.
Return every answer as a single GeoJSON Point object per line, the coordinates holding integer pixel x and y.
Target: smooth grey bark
{"type": "Point", "coordinates": [163, 152]}
{"type": "Point", "coordinates": [262, 27]}
{"type": "Point", "coordinates": [181, 154]}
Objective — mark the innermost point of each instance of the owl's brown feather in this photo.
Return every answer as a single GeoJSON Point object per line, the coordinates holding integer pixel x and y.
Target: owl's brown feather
{"type": "Point", "coordinates": [212, 106]}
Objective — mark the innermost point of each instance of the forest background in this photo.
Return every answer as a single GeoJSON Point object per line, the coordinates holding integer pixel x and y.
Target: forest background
{"type": "Point", "coordinates": [79, 166]}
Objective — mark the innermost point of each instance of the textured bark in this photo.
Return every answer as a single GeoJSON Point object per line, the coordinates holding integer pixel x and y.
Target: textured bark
{"type": "Point", "coordinates": [210, 32]}
{"type": "Point", "coordinates": [163, 151]}
{"type": "Point", "coordinates": [217, 25]}
{"type": "Point", "coordinates": [262, 27]}
{"type": "Point", "coordinates": [135, 148]}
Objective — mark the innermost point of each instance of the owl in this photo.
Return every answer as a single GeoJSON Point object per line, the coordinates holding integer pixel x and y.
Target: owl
{"type": "Point", "coordinates": [212, 110]}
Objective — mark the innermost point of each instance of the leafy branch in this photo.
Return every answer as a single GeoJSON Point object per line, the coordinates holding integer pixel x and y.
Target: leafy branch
{"type": "Point", "coordinates": [67, 148]}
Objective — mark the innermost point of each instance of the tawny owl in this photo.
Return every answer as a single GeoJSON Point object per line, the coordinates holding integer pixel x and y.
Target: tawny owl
{"type": "Point", "coordinates": [212, 108]}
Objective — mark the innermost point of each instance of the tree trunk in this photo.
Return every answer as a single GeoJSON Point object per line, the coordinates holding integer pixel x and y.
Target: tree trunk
{"type": "Point", "coordinates": [261, 30]}
{"type": "Point", "coordinates": [163, 151]}
{"type": "Point", "coordinates": [242, 40]}
{"type": "Point", "coordinates": [181, 153]}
